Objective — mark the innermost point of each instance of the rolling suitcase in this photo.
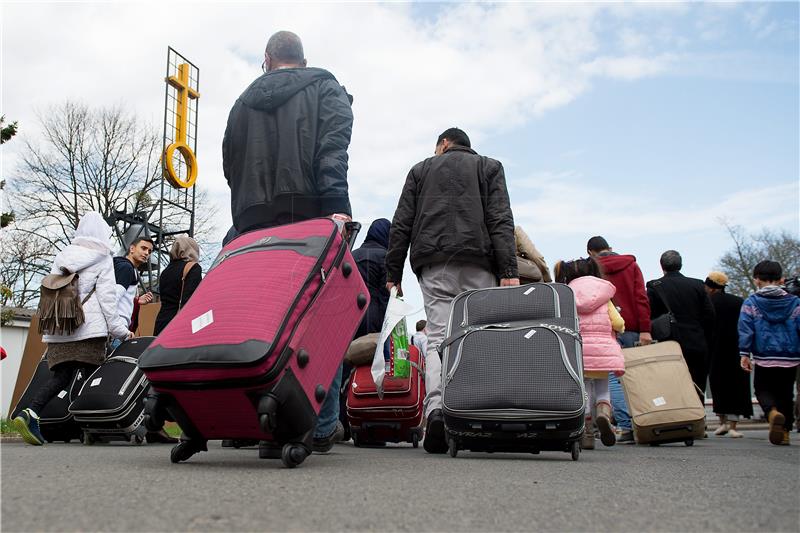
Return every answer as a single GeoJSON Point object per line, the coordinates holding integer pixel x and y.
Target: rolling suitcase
{"type": "Point", "coordinates": [397, 417]}
{"type": "Point", "coordinates": [512, 372]}
{"type": "Point", "coordinates": [253, 353]}
{"type": "Point", "coordinates": [661, 396]}
{"type": "Point", "coordinates": [110, 404]}
{"type": "Point", "coordinates": [56, 423]}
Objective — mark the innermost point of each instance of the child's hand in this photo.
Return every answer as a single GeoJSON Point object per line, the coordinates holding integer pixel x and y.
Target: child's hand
{"type": "Point", "coordinates": [747, 366]}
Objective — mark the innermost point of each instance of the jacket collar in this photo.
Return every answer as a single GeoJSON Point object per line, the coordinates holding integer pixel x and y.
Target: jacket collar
{"type": "Point", "coordinates": [459, 148]}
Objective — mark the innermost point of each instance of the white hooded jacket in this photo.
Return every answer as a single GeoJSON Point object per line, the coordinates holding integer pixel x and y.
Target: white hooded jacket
{"type": "Point", "coordinates": [89, 256]}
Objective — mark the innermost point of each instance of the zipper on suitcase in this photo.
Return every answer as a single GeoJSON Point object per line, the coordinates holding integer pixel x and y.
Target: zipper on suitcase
{"type": "Point", "coordinates": [465, 319]}
{"type": "Point", "coordinates": [264, 243]}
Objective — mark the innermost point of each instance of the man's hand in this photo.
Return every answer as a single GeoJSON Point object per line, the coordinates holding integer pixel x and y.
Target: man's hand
{"type": "Point", "coordinates": [747, 366]}
{"type": "Point", "coordinates": [129, 336]}
{"type": "Point", "coordinates": [645, 338]}
{"type": "Point", "coordinates": [389, 286]}
{"type": "Point", "coordinates": [146, 298]}
{"type": "Point", "coordinates": [509, 282]}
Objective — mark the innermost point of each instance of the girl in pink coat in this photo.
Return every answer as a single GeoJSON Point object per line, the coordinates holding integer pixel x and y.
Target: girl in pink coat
{"type": "Point", "coordinates": [599, 320]}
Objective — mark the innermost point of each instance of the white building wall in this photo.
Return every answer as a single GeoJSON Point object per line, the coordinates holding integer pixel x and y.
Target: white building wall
{"type": "Point", "coordinates": [12, 338]}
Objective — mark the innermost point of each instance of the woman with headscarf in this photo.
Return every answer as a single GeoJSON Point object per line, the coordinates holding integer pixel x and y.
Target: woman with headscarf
{"type": "Point", "coordinates": [179, 280]}
{"type": "Point", "coordinates": [89, 256]}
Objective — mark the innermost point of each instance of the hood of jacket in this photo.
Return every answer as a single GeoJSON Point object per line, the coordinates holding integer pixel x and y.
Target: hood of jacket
{"type": "Point", "coordinates": [273, 89]}
{"type": "Point", "coordinates": [775, 304]}
{"type": "Point", "coordinates": [591, 293]}
{"type": "Point", "coordinates": [614, 263]}
{"type": "Point", "coordinates": [379, 232]}
{"type": "Point", "coordinates": [75, 258]}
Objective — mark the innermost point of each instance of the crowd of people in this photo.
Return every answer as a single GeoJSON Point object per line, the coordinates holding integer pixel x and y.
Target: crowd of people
{"type": "Point", "coordinates": [285, 159]}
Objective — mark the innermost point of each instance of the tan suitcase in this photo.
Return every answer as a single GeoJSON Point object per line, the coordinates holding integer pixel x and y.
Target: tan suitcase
{"type": "Point", "coordinates": [662, 398]}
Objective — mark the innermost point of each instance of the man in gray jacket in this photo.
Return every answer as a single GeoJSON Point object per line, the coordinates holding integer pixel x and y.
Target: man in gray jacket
{"type": "Point", "coordinates": [284, 156]}
{"type": "Point", "coordinates": [455, 214]}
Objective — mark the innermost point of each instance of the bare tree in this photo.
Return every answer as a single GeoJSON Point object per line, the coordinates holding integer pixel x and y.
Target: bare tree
{"type": "Point", "coordinates": [749, 250]}
{"type": "Point", "coordinates": [25, 258]}
{"type": "Point", "coordinates": [89, 159]}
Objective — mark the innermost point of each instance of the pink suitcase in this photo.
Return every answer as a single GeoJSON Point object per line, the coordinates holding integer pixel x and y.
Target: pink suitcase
{"type": "Point", "coordinates": [253, 352]}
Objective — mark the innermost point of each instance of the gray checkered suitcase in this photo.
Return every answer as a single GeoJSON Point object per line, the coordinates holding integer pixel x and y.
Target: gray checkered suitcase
{"type": "Point", "coordinates": [512, 372]}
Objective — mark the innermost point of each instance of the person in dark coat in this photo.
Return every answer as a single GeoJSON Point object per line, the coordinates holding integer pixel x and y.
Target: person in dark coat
{"type": "Point", "coordinates": [371, 262]}
{"type": "Point", "coordinates": [174, 288]}
{"type": "Point", "coordinates": [730, 385]}
{"type": "Point", "coordinates": [692, 308]}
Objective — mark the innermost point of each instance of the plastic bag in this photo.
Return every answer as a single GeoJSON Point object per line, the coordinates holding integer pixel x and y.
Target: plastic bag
{"type": "Point", "coordinates": [394, 326]}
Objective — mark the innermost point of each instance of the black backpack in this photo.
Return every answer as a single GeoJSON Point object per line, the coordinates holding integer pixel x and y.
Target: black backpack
{"type": "Point", "coordinates": [60, 308]}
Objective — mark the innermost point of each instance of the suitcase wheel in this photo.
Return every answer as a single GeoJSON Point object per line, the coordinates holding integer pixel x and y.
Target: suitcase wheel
{"type": "Point", "coordinates": [452, 447]}
{"type": "Point", "coordinates": [415, 440]}
{"type": "Point", "coordinates": [576, 450]}
{"type": "Point", "coordinates": [293, 454]}
{"type": "Point", "coordinates": [689, 442]}
{"type": "Point", "coordinates": [88, 438]}
{"type": "Point", "coordinates": [185, 449]}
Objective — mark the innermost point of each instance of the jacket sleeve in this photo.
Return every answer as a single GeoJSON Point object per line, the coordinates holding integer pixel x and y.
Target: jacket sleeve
{"type": "Point", "coordinates": [617, 322]}
{"type": "Point", "coordinates": [746, 328]}
{"type": "Point", "coordinates": [228, 146]}
{"type": "Point", "coordinates": [500, 223]}
{"type": "Point", "coordinates": [400, 232]}
{"type": "Point", "coordinates": [106, 290]}
{"type": "Point", "coordinates": [642, 302]}
{"type": "Point", "coordinates": [191, 282]}
{"type": "Point", "coordinates": [333, 137]}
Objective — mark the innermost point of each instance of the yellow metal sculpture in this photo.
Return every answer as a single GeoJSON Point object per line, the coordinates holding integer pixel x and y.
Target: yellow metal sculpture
{"type": "Point", "coordinates": [184, 92]}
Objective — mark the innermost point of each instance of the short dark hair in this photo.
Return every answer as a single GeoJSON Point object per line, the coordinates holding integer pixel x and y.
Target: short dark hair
{"type": "Point", "coordinates": [455, 136]}
{"type": "Point", "coordinates": [285, 46]}
{"type": "Point", "coordinates": [421, 324]}
{"type": "Point", "coordinates": [768, 271]}
{"type": "Point", "coordinates": [566, 271]}
{"type": "Point", "coordinates": [671, 261]}
{"type": "Point", "coordinates": [597, 244]}
{"type": "Point", "coordinates": [140, 239]}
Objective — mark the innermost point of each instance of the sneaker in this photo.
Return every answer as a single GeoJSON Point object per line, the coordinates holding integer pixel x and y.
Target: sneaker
{"type": "Point", "coordinates": [435, 441]}
{"type": "Point", "coordinates": [785, 439]}
{"type": "Point", "coordinates": [625, 437]}
{"type": "Point", "coordinates": [325, 444]}
{"type": "Point", "coordinates": [27, 424]}
{"type": "Point", "coordinates": [603, 421]}
{"type": "Point", "coordinates": [722, 430]}
{"type": "Point", "coordinates": [587, 441]}
{"type": "Point", "coordinates": [776, 420]}
{"type": "Point", "coordinates": [735, 434]}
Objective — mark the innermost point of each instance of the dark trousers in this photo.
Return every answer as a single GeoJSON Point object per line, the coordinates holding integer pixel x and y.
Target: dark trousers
{"type": "Point", "coordinates": [775, 388]}
{"type": "Point", "coordinates": [60, 380]}
{"type": "Point", "coordinates": [698, 368]}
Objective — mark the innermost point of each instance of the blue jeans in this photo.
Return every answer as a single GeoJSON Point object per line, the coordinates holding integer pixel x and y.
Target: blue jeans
{"type": "Point", "coordinates": [329, 414]}
{"type": "Point", "coordinates": [621, 414]}
{"type": "Point", "coordinates": [115, 344]}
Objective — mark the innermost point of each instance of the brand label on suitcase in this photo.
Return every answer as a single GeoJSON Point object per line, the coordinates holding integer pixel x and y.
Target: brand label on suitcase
{"type": "Point", "coordinates": [204, 320]}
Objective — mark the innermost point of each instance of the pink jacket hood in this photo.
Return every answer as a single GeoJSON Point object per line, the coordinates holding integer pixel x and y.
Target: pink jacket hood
{"type": "Point", "coordinates": [591, 293]}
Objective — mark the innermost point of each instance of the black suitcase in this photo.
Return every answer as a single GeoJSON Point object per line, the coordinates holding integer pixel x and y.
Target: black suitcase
{"type": "Point", "coordinates": [512, 371]}
{"type": "Point", "coordinates": [56, 423]}
{"type": "Point", "coordinates": [110, 405]}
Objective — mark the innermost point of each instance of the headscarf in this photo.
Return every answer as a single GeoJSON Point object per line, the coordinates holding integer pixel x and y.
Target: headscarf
{"type": "Point", "coordinates": [93, 232]}
{"type": "Point", "coordinates": [379, 232]}
{"type": "Point", "coordinates": [184, 249]}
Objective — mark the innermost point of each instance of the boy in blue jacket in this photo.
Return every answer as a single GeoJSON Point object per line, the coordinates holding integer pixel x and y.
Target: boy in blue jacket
{"type": "Point", "coordinates": [769, 332]}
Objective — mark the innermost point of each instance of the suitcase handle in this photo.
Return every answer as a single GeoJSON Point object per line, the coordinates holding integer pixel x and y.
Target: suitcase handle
{"type": "Point", "coordinates": [687, 427]}
{"type": "Point", "coordinates": [351, 231]}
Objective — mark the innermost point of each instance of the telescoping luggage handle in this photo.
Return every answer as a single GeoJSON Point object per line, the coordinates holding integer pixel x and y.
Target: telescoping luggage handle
{"type": "Point", "coordinates": [461, 333]}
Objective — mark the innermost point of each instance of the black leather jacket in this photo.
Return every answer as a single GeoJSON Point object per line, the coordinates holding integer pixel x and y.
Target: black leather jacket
{"type": "Point", "coordinates": [454, 206]}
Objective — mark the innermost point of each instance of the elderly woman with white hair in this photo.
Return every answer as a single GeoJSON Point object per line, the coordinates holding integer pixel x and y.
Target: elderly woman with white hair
{"type": "Point", "coordinates": [179, 280]}
{"type": "Point", "coordinates": [84, 349]}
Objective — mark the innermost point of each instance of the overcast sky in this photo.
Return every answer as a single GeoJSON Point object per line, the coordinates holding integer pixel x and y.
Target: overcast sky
{"type": "Point", "coordinates": [642, 123]}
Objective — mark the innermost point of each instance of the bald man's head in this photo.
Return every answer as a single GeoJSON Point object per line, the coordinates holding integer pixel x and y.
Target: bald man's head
{"type": "Point", "coordinates": [284, 49]}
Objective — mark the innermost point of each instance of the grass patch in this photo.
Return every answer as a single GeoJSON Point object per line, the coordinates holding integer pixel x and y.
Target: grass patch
{"type": "Point", "coordinates": [6, 428]}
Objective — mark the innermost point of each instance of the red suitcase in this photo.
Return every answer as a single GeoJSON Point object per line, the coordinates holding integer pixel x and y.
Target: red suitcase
{"type": "Point", "coordinates": [252, 354]}
{"type": "Point", "coordinates": [395, 418]}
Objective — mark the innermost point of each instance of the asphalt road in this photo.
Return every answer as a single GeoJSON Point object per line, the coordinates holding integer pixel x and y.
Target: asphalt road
{"type": "Point", "coordinates": [718, 484]}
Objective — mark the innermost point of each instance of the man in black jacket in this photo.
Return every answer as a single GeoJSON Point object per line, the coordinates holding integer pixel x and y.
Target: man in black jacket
{"type": "Point", "coordinates": [455, 214]}
{"type": "Point", "coordinates": [284, 156]}
{"type": "Point", "coordinates": [693, 311]}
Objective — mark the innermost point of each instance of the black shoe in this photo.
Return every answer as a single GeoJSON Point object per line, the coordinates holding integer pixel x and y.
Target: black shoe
{"type": "Point", "coordinates": [159, 437]}
{"type": "Point", "coordinates": [435, 441]}
{"type": "Point", "coordinates": [325, 444]}
{"type": "Point", "coordinates": [269, 449]}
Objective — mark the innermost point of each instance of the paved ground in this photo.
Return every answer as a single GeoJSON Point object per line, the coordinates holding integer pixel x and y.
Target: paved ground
{"type": "Point", "coordinates": [719, 484]}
